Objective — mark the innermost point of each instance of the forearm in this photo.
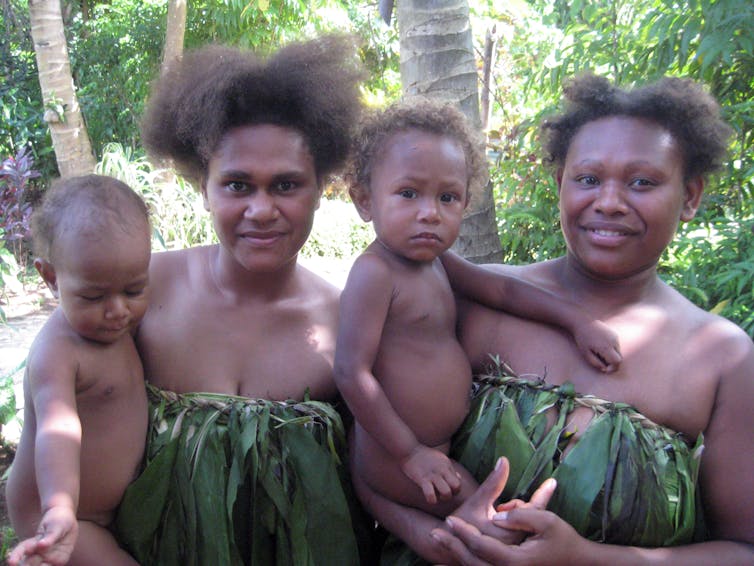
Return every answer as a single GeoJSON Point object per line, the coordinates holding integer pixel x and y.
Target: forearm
{"type": "Point", "coordinates": [712, 552]}
{"type": "Point", "coordinates": [375, 414]}
{"type": "Point", "coordinates": [57, 454]}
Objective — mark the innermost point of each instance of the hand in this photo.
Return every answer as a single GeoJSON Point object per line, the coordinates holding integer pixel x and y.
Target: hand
{"type": "Point", "coordinates": [54, 542]}
{"type": "Point", "coordinates": [553, 540]}
{"type": "Point", "coordinates": [479, 510]}
{"type": "Point", "coordinates": [598, 343]}
{"type": "Point", "coordinates": [433, 472]}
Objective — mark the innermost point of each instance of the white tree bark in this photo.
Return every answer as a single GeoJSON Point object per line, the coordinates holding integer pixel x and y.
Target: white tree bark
{"type": "Point", "coordinates": [437, 61]}
{"type": "Point", "coordinates": [176, 29]}
{"type": "Point", "coordinates": [73, 150]}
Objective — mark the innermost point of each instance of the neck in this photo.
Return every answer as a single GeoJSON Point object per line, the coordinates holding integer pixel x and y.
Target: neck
{"type": "Point", "coordinates": [604, 293]}
{"type": "Point", "coordinates": [239, 284]}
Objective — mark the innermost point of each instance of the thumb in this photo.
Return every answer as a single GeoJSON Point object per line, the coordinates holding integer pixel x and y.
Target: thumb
{"type": "Point", "coordinates": [540, 498]}
{"type": "Point", "coordinates": [494, 484]}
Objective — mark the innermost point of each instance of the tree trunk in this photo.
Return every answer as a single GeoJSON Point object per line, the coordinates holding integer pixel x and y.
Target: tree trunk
{"type": "Point", "coordinates": [176, 29]}
{"type": "Point", "coordinates": [73, 150]}
{"type": "Point", "coordinates": [437, 61]}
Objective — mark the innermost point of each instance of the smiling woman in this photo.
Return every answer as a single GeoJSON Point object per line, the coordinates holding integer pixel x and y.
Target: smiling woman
{"type": "Point", "coordinates": [245, 454]}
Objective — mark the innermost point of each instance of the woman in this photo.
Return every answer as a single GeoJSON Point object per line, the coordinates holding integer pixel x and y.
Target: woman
{"type": "Point", "coordinates": [238, 337]}
{"type": "Point", "coordinates": [629, 165]}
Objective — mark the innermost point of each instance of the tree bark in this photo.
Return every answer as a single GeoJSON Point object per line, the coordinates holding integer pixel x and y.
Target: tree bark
{"type": "Point", "coordinates": [437, 61]}
{"type": "Point", "coordinates": [176, 29]}
{"type": "Point", "coordinates": [70, 140]}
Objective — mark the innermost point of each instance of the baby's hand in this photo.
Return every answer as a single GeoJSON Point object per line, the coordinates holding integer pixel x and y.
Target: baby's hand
{"type": "Point", "coordinates": [433, 472]}
{"type": "Point", "coordinates": [599, 345]}
{"type": "Point", "coordinates": [53, 543]}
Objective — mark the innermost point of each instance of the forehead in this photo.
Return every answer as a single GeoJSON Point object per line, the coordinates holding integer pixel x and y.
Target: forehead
{"type": "Point", "coordinates": [420, 151]}
{"type": "Point", "coordinates": [618, 138]}
{"type": "Point", "coordinates": [266, 143]}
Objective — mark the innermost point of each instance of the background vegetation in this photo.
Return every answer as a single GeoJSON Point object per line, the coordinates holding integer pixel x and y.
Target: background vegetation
{"type": "Point", "coordinates": [115, 48]}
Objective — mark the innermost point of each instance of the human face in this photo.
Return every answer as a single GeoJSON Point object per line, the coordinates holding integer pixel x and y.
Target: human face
{"type": "Point", "coordinates": [101, 282]}
{"type": "Point", "coordinates": [261, 190]}
{"type": "Point", "coordinates": [417, 194]}
{"type": "Point", "coordinates": [622, 194]}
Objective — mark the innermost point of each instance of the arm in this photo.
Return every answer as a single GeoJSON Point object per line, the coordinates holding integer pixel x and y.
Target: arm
{"type": "Point", "coordinates": [364, 306]}
{"type": "Point", "coordinates": [52, 380]}
{"type": "Point", "coordinates": [597, 342]}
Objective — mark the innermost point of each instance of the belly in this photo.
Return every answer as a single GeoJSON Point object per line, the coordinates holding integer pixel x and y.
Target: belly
{"type": "Point", "coordinates": [429, 392]}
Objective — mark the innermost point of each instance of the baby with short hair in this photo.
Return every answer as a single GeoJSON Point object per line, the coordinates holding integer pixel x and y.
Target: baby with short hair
{"type": "Point", "coordinates": [85, 403]}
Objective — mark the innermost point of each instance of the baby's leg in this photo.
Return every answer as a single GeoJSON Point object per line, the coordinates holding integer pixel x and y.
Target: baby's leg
{"type": "Point", "coordinates": [97, 546]}
{"type": "Point", "coordinates": [383, 474]}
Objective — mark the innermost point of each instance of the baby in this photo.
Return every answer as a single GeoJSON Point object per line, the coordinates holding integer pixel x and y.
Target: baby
{"type": "Point", "coordinates": [85, 404]}
{"type": "Point", "coordinates": [398, 362]}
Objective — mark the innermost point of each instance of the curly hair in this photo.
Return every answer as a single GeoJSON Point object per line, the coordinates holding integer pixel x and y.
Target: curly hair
{"type": "Point", "coordinates": [415, 114]}
{"type": "Point", "coordinates": [312, 87]}
{"type": "Point", "coordinates": [681, 106]}
{"type": "Point", "coordinates": [88, 203]}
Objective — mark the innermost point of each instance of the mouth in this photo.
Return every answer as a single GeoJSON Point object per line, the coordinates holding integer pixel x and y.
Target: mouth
{"type": "Point", "coordinates": [261, 238]}
{"type": "Point", "coordinates": [427, 236]}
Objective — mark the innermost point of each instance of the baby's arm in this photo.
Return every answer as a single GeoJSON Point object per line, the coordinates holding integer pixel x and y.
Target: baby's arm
{"type": "Point", "coordinates": [57, 447]}
{"type": "Point", "coordinates": [364, 306]}
{"type": "Point", "coordinates": [596, 341]}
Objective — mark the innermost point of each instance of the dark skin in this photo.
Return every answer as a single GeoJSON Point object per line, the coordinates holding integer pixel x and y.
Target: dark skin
{"type": "Point", "coordinates": [398, 319]}
{"type": "Point", "coordinates": [622, 194]}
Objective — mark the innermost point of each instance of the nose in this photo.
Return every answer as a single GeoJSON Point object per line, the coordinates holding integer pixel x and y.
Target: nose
{"type": "Point", "coordinates": [261, 207]}
{"type": "Point", "coordinates": [116, 308]}
{"type": "Point", "coordinates": [428, 211]}
{"type": "Point", "coordinates": [611, 198]}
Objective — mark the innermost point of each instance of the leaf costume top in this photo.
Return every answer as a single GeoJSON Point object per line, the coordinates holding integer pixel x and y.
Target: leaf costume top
{"type": "Point", "coordinates": [626, 481]}
{"type": "Point", "coordinates": [232, 480]}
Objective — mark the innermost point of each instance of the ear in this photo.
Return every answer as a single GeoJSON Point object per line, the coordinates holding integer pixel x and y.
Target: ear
{"type": "Point", "coordinates": [692, 198]}
{"type": "Point", "coordinates": [47, 272]}
{"type": "Point", "coordinates": [363, 202]}
{"type": "Point", "coordinates": [204, 193]}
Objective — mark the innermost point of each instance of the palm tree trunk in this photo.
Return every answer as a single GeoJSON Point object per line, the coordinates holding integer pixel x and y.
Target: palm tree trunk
{"type": "Point", "coordinates": [73, 150]}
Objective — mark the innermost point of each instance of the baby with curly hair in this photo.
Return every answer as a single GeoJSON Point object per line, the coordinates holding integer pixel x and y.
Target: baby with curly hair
{"type": "Point", "coordinates": [398, 363]}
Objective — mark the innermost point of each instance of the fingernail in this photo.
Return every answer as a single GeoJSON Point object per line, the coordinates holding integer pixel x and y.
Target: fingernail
{"type": "Point", "coordinates": [498, 463]}
{"type": "Point", "coordinates": [502, 516]}
{"type": "Point", "coordinates": [449, 521]}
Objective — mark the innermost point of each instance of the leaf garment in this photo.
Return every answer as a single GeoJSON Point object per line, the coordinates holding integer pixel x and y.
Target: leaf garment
{"type": "Point", "coordinates": [232, 480]}
{"type": "Point", "coordinates": [625, 481]}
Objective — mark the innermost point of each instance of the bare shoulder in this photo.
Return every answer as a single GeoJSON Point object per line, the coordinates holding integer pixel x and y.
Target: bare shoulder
{"type": "Point", "coordinates": [54, 350]}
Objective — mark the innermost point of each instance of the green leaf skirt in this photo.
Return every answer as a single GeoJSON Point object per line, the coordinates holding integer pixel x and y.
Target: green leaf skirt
{"type": "Point", "coordinates": [626, 481]}
{"type": "Point", "coordinates": [232, 480]}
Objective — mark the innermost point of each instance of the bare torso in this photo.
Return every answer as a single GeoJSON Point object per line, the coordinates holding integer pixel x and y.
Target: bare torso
{"type": "Point", "coordinates": [197, 338]}
{"type": "Point", "coordinates": [112, 408]}
{"type": "Point", "coordinates": [420, 363]}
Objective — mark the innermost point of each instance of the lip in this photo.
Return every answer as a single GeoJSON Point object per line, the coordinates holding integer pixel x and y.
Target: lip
{"type": "Point", "coordinates": [608, 233]}
{"type": "Point", "coordinates": [261, 239]}
{"type": "Point", "coordinates": [426, 237]}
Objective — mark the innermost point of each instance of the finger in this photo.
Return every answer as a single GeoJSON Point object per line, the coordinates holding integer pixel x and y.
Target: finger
{"type": "Point", "coordinates": [457, 548]}
{"type": "Point", "coordinates": [527, 519]}
{"type": "Point", "coordinates": [428, 489]}
{"type": "Point", "coordinates": [481, 546]}
{"type": "Point", "coordinates": [453, 480]}
{"type": "Point", "coordinates": [443, 490]}
{"type": "Point", "coordinates": [494, 483]}
{"type": "Point", "coordinates": [540, 498]}
{"type": "Point", "coordinates": [22, 550]}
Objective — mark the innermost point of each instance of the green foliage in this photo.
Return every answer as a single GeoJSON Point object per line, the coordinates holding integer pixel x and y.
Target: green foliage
{"type": "Point", "coordinates": [21, 111]}
{"type": "Point", "coordinates": [338, 231]}
{"type": "Point", "coordinates": [178, 217]}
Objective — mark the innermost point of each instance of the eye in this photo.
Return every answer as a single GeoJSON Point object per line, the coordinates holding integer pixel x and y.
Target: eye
{"type": "Point", "coordinates": [642, 183]}
{"type": "Point", "coordinates": [449, 197]}
{"type": "Point", "coordinates": [408, 193]}
{"type": "Point", "coordinates": [587, 180]}
{"type": "Point", "coordinates": [236, 186]}
{"type": "Point", "coordinates": [135, 292]}
{"type": "Point", "coordinates": [285, 186]}
{"type": "Point", "coordinates": [91, 298]}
